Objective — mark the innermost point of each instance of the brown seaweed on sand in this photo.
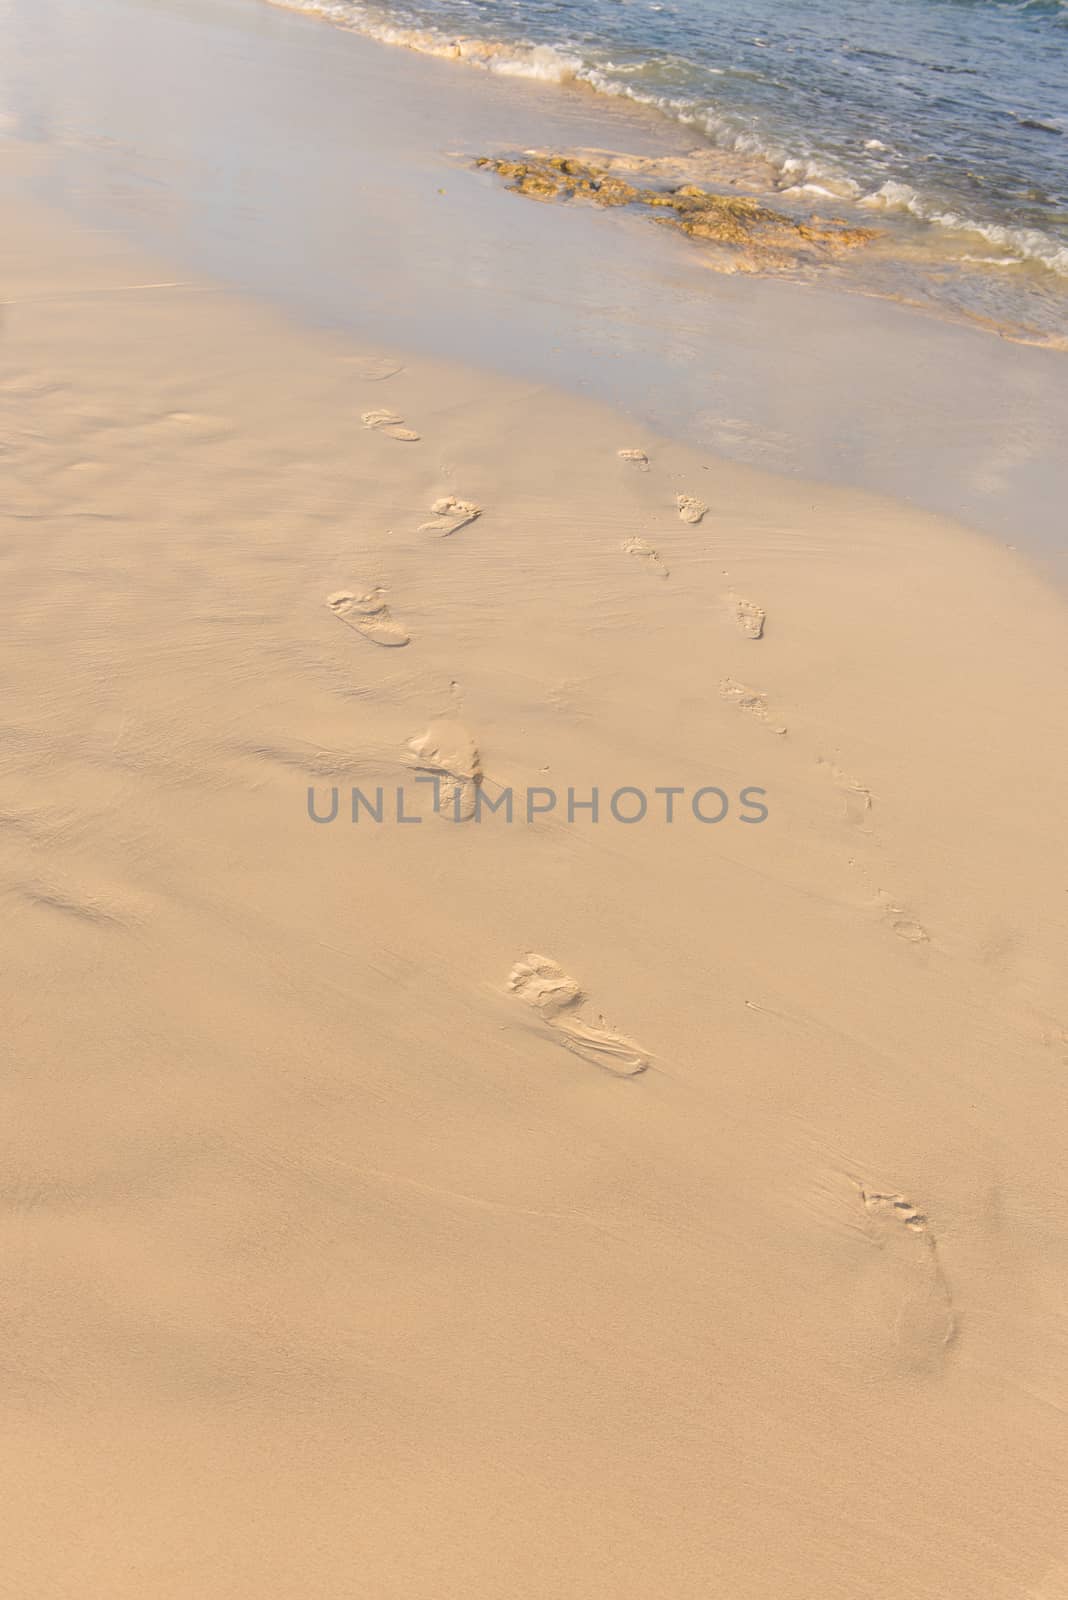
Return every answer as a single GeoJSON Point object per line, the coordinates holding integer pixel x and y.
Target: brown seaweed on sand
{"type": "Point", "coordinates": [754, 236]}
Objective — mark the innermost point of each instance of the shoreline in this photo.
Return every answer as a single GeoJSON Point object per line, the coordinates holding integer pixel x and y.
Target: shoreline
{"type": "Point", "coordinates": [770, 174]}
{"type": "Point", "coordinates": [414, 248]}
{"type": "Point", "coordinates": [604, 1195]}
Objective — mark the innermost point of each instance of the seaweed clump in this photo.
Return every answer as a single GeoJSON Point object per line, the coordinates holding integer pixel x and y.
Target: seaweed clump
{"type": "Point", "coordinates": [755, 236]}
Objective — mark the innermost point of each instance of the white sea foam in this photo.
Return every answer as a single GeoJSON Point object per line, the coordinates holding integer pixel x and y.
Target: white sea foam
{"type": "Point", "coordinates": [795, 176]}
{"type": "Point", "coordinates": [1027, 244]}
{"type": "Point", "coordinates": [543, 62]}
{"type": "Point", "coordinates": [797, 189]}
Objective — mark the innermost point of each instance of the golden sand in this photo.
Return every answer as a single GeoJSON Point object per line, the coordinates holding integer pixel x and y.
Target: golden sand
{"type": "Point", "coordinates": [549, 1209]}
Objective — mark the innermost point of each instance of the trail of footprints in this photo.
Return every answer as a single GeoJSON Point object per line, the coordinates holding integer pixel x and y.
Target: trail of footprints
{"type": "Point", "coordinates": [447, 754]}
{"type": "Point", "coordinates": [914, 1297]}
{"type": "Point", "coordinates": [459, 772]}
{"type": "Point", "coordinates": [903, 1296]}
{"type": "Point", "coordinates": [368, 612]}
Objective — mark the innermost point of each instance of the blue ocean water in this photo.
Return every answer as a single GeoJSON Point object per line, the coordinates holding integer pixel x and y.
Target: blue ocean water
{"type": "Point", "coordinates": [947, 116]}
{"type": "Point", "coordinates": [331, 176]}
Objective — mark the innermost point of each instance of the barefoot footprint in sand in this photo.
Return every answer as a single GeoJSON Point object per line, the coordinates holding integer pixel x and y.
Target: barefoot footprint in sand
{"type": "Point", "coordinates": [450, 515]}
{"type": "Point", "coordinates": [895, 1205]}
{"type": "Point", "coordinates": [557, 998]}
{"type": "Point", "coordinates": [369, 615]}
{"type": "Point", "coordinates": [755, 701]}
{"type": "Point", "coordinates": [901, 922]}
{"type": "Point", "coordinates": [689, 508]}
{"type": "Point", "coordinates": [747, 617]}
{"type": "Point", "coordinates": [637, 458]}
{"type": "Point", "coordinates": [646, 554]}
{"type": "Point", "coordinates": [447, 753]}
{"type": "Point", "coordinates": [856, 796]}
{"type": "Point", "coordinates": [389, 423]}
{"type": "Point", "coordinates": [906, 1290]}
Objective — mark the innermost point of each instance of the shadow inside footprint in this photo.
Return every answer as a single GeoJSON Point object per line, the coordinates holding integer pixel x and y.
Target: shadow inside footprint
{"type": "Point", "coordinates": [747, 616]}
{"type": "Point", "coordinates": [450, 515]}
{"type": "Point", "coordinates": [690, 509]}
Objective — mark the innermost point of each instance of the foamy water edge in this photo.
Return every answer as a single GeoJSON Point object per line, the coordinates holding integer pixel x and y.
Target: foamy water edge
{"type": "Point", "coordinates": [795, 175]}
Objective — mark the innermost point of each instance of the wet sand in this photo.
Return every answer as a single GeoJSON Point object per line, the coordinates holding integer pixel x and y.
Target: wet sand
{"type": "Point", "coordinates": [555, 1207]}
{"type": "Point", "coordinates": [331, 174]}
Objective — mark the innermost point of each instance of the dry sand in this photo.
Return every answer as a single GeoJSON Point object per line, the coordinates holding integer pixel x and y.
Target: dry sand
{"type": "Point", "coordinates": [476, 1210]}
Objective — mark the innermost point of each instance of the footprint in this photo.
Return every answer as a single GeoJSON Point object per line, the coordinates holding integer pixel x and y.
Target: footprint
{"type": "Point", "coordinates": [646, 554]}
{"type": "Point", "coordinates": [638, 457]}
{"type": "Point", "coordinates": [905, 928]}
{"type": "Point", "coordinates": [369, 615]}
{"type": "Point", "coordinates": [856, 796]}
{"type": "Point", "coordinates": [544, 985]}
{"type": "Point", "coordinates": [689, 508]}
{"type": "Point", "coordinates": [556, 997]}
{"type": "Point", "coordinates": [450, 515]}
{"type": "Point", "coordinates": [856, 803]}
{"type": "Point", "coordinates": [748, 617]}
{"type": "Point", "coordinates": [374, 368]}
{"type": "Point", "coordinates": [904, 1292]}
{"type": "Point", "coordinates": [895, 1205]}
{"type": "Point", "coordinates": [751, 700]}
{"type": "Point", "coordinates": [901, 922]}
{"type": "Point", "coordinates": [448, 753]}
{"type": "Point", "coordinates": [602, 1045]}
{"type": "Point", "coordinates": [389, 423]}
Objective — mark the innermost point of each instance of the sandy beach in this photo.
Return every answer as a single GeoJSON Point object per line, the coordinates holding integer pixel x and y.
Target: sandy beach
{"type": "Point", "coordinates": [495, 1197]}
{"type": "Point", "coordinates": [333, 177]}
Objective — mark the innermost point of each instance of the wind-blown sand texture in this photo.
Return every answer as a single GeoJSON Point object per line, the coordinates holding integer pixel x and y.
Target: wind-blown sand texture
{"type": "Point", "coordinates": [325, 1270]}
